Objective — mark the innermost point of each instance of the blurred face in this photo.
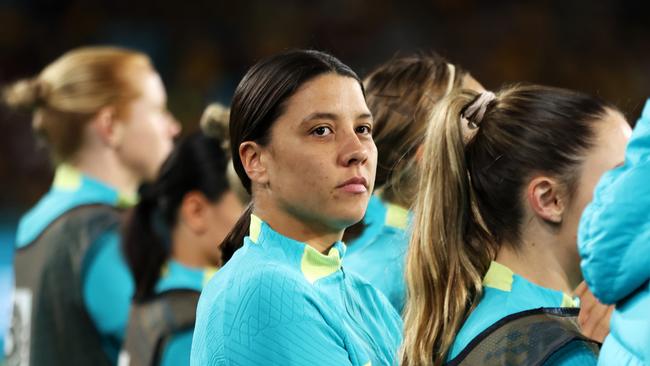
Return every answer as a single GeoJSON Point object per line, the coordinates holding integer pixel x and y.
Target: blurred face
{"type": "Point", "coordinates": [148, 128]}
{"type": "Point", "coordinates": [321, 158]}
{"type": "Point", "coordinates": [612, 135]}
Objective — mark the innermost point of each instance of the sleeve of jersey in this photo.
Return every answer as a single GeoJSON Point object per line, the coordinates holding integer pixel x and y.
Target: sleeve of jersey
{"type": "Point", "coordinates": [274, 322]}
{"type": "Point", "coordinates": [614, 233]}
{"type": "Point", "coordinates": [107, 290]}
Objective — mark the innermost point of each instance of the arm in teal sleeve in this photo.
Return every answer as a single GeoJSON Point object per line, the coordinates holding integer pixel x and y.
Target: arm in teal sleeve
{"type": "Point", "coordinates": [614, 234]}
{"type": "Point", "coordinates": [272, 321]}
{"type": "Point", "coordinates": [573, 354]}
{"type": "Point", "coordinates": [107, 290]}
{"type": "Point", "coordinates": [177, 352]}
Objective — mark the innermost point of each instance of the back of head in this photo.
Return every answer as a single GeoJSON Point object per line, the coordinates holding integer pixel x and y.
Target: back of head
{"type": "Point", "coordinates": [480, 152]}
{"type": "Point", "coordinates": [197, 163]}
{"type": "Point", "coordinates": [73, 88]}
{"type": "Point", "coordinates": [401, 94]}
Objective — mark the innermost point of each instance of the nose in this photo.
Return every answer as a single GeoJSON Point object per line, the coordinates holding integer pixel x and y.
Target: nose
{"type": "Point", "coordinates": [353, 151]}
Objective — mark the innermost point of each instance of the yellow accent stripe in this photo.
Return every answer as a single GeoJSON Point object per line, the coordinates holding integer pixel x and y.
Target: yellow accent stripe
{"type": "Point", "coordinates": [498, 276]}
{"type": "Point", "coordinates": [208, 273]}
{"type": "Point", "coordinates": [368, 364]}
{"type": "Point", "coordinates": [396, 216]}
{"type": "Point", "coordinates": [568, 302]}
{"type": "Point", "coordinates": [255, 228]}
{"type": "Point", "coordinates": [126, 201]}
{"type": "Point", "coordinates": [315, 265]}
{"type": "Point", "coordinates": [67, 177]}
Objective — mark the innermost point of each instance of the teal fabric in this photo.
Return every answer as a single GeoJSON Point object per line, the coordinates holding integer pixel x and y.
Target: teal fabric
{"type": "Point", "coordinates": [274, 303]}
{"type": "Point", "coordinates": [179, 276]}
{"type": "Point", "coordinates": [107, 283]}
{"type": "Point", "coordinates": [379, 254]}
{"type": "Point", "coordinates": [498, 303]}
{"type": "Point", "coordinates": [614, 243]}
{"type": "Point", "coordinates": [59, 200]}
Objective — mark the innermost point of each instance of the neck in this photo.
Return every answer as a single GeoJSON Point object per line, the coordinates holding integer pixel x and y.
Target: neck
{"type": "Point", "coordinates": [186, 251]}
{"type": "Point", "coordinates": [314, 234]}
{"type": "Point", "coordinates": [538, 259]}
{"type": "Point", "coordinates": [105, 167]}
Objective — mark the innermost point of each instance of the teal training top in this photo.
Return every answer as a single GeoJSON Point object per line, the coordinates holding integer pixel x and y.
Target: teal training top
{"type": "Point", "coordinates": [108, 285]}
{"type": "Point", "coordinates": [178, 276]}
{"type": "Point", "coordinates": [281, 302]}
{"type": "Point", "coordinates": [378, 255]}
{"type": "Point", "coordinates": [614, 243]}
{"type": "Point", "coordinates": [506, 293]}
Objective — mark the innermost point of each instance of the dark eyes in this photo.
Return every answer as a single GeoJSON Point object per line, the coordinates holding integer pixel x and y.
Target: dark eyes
{"type": "Point", "coordinates": [322, 131]}
{"type": "Point", "coordinates": [363, 130]}
{"type": "Point", "coordinates": [325, 131]}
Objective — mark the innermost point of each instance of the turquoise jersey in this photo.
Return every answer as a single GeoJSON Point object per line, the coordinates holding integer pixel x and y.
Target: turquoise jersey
{"type": "Point", "coordinates": [281, 302]}
{"type": "Point", "coordinates": [614, 243]}
{"type": "Point", "coordinates": [107, 283]}
{"type": "Point", "coordinates": [178, 276]}
{"type": "Point", "coordinates": [506, 293]}
{"type": "Point", "coordinates": [379, 254]}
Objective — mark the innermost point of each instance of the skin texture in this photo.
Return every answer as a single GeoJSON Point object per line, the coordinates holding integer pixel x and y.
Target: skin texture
{"type": "Point", "coordinates": [322, 140]}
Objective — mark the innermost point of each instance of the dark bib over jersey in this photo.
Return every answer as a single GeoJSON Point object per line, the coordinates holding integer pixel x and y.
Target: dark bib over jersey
{"type": "Point", "coordinates": [153, 323]}
{"type": "Point", "coordinates": [51, 325]}
{"type": "Point", "coordinates": [529, 338]}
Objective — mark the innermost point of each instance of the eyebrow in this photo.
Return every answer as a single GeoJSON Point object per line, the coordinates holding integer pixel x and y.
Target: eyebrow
{"type": "Point", "coordinates": [332, 116]}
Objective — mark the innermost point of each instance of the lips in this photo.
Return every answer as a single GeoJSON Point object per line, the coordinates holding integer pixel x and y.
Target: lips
{"type": "Point", "coordinates": [355, 185]}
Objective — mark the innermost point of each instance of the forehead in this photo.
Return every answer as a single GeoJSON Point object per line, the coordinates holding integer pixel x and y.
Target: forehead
{"type": "Point", "coordinates": [150, 86]}
{"type": "Point", "coordinates": [329, 93]}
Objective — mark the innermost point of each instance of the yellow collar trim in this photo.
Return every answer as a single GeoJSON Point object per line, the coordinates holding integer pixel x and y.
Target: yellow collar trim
{"type": "Point", "coordinates": [396, 216]}
{"type": "Point", "coordinates": [499, 277]}
{"type": "Point", "coordinates": [255, 228]}
{"type": "Point", "coordinates": [67, 177]}
{"type": "Point", "coordinates": [315, 265]}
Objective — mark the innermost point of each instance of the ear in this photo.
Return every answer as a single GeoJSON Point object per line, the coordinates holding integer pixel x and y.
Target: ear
{"type": "Point", "coordinates": [252, 156]}
{"type": "Point", "coordinates": [545, 198]}
{"type": "Point", "coordinates": [108, 127]}
{"type": "Point", "coordinates": [194, 212]}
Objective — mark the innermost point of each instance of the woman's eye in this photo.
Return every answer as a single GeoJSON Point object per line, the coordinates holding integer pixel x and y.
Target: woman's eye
{"type": "Point", "coordinates": [322, 131]}
{"type": "Point", "coordinates": [363, 130]}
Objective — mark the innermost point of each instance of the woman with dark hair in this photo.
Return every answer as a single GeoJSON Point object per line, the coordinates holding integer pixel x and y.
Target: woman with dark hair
{"type": "Point", "coordinates": [493, 260]}
{"type": "Point", "coordinates": [400, 95]}
{"type": "Point", "coordinates": [171, 244]}
{"type": "Point", "coordinates": [301, 137]}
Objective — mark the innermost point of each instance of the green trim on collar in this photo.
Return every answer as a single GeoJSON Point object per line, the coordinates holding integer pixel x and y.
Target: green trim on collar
{"type": "Point", "coordinates": [67, 177]}
{"type": "Point", "coordinates": [255, 228]}
{"type": "Point", "coordinates": [396, 216]}
{"type": "Point", "coordinates": [499, 277]}
{"type": "Point", "coordinates": [315, 265]}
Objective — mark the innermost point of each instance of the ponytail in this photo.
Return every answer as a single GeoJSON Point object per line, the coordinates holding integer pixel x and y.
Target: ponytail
{"type": "Point", "coordinates": [448, 253]}
{"type": "Point", "coordinates": [146, 243]}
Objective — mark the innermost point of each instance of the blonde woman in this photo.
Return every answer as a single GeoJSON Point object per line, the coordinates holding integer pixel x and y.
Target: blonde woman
{"type": "Point", "coordinates": [493, 258]}
{"type": "Point", "coordinates": [102, 112]}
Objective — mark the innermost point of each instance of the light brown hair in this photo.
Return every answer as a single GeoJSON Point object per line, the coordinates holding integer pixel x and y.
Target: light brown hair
{"type": "Point", "coordinates": [469, 198]}
{"type": "Point", "coordinates": [401, 94]}
{"type": "Point", "coordinates": [72, 89]}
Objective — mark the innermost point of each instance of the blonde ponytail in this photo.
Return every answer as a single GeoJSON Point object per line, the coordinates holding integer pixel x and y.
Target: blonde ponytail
{"type": "Point", "coordinates": [447, 256]}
